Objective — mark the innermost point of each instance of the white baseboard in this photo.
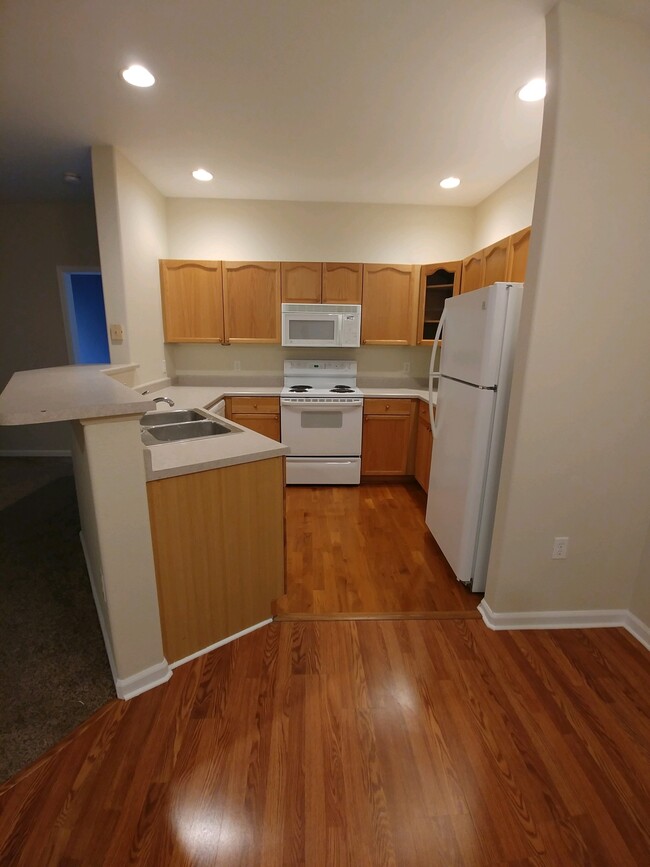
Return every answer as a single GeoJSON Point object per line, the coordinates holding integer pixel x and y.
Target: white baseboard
{"type": "Point", "coordinates": [35, 453]}
{"type": "Point", "coordinates": [129, 687]}
{"type": "Point", "coordinates": [126, 687]}
{"type": "Point", "coordinates": [220, 643]}
{"type": "Point", "coordinates": [595, 619]}
{"type": "Point", "coordinates": [638, 629]}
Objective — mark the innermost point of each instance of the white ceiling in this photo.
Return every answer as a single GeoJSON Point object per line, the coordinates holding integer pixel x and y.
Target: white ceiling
{"type": "Point", "coordinates": [321, 100]}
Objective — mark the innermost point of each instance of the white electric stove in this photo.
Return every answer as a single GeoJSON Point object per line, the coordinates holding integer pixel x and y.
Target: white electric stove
{"type": "Point", "coordinates": [322, 413]}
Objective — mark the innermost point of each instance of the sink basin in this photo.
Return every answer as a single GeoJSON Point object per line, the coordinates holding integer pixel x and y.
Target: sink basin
{"type": "Point", "coordinates": [173, 416]}
{"type": "Point", "coordinates": [171, 433]}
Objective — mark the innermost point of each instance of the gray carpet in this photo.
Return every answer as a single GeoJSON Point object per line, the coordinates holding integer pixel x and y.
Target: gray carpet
{"type": "Point", "coordinates": [54, 672]}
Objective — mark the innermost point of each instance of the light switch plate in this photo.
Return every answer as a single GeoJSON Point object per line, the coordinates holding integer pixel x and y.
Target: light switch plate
{"type": "Point", "coordinates": [117, 332]}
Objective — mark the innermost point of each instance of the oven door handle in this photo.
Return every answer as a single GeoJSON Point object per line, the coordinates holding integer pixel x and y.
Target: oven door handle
{"type": "Point", "coordinates": [319, 407]}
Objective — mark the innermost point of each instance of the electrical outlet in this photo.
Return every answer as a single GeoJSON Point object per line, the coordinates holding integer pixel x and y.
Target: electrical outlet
{"type": "Point", "coordinates": [560, 547]}
{"type": "Point", "coordinates": [236, 365]}
{"type": "Point", "coordinates": [116, 332]}
{"type": "Point", "coordinates": [406, 367]}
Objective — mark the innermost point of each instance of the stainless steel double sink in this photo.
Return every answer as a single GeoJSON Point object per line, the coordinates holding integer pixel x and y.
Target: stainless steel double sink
{"type": "Point", "coordinates": [177, 425]}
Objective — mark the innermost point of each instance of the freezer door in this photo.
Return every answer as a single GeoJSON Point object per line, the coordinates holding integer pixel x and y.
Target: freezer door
{"type": "Point", "coordinates": [473, 335]}
{"type": "Point", "coordinates": [458, 472]}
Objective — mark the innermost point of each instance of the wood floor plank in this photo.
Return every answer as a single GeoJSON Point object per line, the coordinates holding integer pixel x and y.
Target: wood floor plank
{"type": "Point", "coordinates": [416, 742]}
{"type": "Point", "coordinates": [363, 550]}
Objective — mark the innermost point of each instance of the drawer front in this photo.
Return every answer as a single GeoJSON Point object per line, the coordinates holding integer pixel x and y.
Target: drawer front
{"type": "Point", "coordinates": [387, 406]}
{"type": "Point", "coordinates": [255, 404]}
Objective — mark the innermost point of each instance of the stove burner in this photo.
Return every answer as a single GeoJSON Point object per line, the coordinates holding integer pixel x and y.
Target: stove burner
{"type": "Point", "coordinates": [342, 389]}
{"type": "Point", "coordinates": [297, 389]}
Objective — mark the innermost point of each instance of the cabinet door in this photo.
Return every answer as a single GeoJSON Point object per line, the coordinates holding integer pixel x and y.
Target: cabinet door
{"type": "Point", "coordinates": [342, 282]}
{"type": "Point", "coordinates": [388, 314]}
{"type": "Point", "coordinates": [251, 299]}
{"type": "Point", "coordinates": [192, 306]}
{"type": "Point", "coordinates": [261, 414]}
{"type": "Point", "coordinates": [473, 272]}
{"type": "Point", "coordinates": [518, 255]}
{"type": "Point", "coordinates": [496, 262]}
{"type": "Point", "coordinates": [437, 283]}
{"type": "Point", "coordinates": [423, 449]}
{"type": "Point", "coordinates": [387, 434]}
{"type": "Point", "coordinates": [301, 282]}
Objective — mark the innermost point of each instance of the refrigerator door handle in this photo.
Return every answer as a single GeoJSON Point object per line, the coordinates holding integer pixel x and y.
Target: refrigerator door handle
{"type": "Point", "coordinates": [434, 374]}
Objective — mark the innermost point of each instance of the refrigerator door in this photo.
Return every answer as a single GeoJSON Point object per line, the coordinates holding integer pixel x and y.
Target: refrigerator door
{"type": "Point", "coordinates": [473, 335]}
{"type": "Point", "coordinates": [458, 472]}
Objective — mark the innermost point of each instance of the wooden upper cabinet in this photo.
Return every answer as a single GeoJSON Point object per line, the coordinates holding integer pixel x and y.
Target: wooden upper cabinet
{"type": "Point", "coordinates": [496, 262]}
{"type": "Point", "coordinates": [342, 283]}
{"type": "Point", "coordinates": [192, 306]}
{"type": "Point", "coordinates": [518, 255]}
{"type": "Point", "coordinates": [437, 283]}
{"type": "Point", "coordinates": [251, 300]}
{"type": "Point", "coordinates": [301, 282]}
{"type": "Point", "coordinates": [473, 272]}
{"type": "Point", "coordinates": [389, 311]}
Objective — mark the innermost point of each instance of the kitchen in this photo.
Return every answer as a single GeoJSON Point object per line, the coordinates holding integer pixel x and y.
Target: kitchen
{"type": "Point", "coordinates": [559, 476]}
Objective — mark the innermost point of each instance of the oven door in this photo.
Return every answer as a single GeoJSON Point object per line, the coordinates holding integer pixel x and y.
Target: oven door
{"type": "Point", "coordinates": [311, 329]}
{"type": "Point", "coordinates": [322, 429]}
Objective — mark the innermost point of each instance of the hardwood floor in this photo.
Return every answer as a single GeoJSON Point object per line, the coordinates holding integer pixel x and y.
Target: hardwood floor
{"type": "Point", "coordinates": [365, 549]}
{"type": "Point", "coordinates": [417, 743]}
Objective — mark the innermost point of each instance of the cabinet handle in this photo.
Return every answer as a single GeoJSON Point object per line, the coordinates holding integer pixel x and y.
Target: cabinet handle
{"type": "Point", "coordinates": [387, 406]}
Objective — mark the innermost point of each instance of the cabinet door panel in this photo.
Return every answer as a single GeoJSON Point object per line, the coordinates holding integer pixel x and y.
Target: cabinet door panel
{"type": "Point", "coordinates": [423, 450]}
{"type": "Point", "coordinates": [191, 294]}
{"type": "Point", "coordinates": [342, 282]}
{"type": "Point", "coordinates": [251, 293]}
{"type": "Point", "coordinates": [301, 282]}
{"type": "Point", "coordinates": [389, 311]}
{"type": "Point", "coordinates": [437, 283]}
{"type": "Point", "coordinates": [385, 446]}
{"type": "Point", "coordinates": [519, 243]}
{"type": "Point", "coordinates": [473, 272]}
{"type": "Point", "coordinates": [496, 262]}
{"type": "Point", "coordinates": [263, 423]}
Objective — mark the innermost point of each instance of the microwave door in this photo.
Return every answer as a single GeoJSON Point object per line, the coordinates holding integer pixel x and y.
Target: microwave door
{"type": "Point", "coordinates": [306, 329]}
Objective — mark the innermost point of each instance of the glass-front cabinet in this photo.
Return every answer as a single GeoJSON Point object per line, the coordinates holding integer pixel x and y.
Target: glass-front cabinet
{"type": "Point", "coordinates": [437, 283]}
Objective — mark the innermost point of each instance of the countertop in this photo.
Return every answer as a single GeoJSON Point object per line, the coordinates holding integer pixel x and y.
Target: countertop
{"type": "Point", "coordinates": [67, 393]}
{"type": "Point", "coordinates": [205, 396]}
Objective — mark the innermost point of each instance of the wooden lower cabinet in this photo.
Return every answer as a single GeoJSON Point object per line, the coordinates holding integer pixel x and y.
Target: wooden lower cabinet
{"type": "Point", "coordinates": [218, 542]}
{"type": "Point", "coordinates": [423, 447]}
{"type": "Point", "coordinates": [261, 414]}
{"type": "Point", "coordinates": [388, 437]}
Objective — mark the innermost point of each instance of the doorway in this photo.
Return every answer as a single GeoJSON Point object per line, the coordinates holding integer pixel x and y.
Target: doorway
{"type": "Point", "coordinates": [84, 315]}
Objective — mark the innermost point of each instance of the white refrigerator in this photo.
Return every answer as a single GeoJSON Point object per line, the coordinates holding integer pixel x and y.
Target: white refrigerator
{"type": "Point", "coordinates": [477, 335]}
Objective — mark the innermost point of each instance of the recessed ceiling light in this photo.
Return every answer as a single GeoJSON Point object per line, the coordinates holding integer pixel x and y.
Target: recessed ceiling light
{"type": "Point", "coordinates": [449, 183]}
{"type": "Point", "coordinates": [202, 175]}
{"type": "Point", "coordinates": [138, 76]}
{"type": "Point", "coordinates": [533, 91]}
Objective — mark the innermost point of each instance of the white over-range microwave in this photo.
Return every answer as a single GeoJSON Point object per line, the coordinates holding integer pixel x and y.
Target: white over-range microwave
{"type": "Point", "coordinates": [321, 324]}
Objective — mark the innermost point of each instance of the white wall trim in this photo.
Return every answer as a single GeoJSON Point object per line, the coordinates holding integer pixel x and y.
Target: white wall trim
{"type": "Point", "coordinates": [35, 453]}
{"type": "Point", "coordinates": [598, 618]}
{"type": "Point", "coordinates": [637, 629]}
{"type": "Point", "coordinates": [141, 681]}
{"type": "Point", "coordinates": [220, 643]}
{"type": "Point", "coordinates": [129, 687]}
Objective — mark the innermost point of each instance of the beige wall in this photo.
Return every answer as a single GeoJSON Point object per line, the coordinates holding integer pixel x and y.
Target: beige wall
{"type": "Point", "coordinates": [507, 210]}
{"type": "Point", "coordinates": [37, 237]}
{"type": "Point", "coordinates": [577, 454]}
{"type": "Point", "coordinates": [316, 231]}
{"type": "Point", "coordinates": [131, 224]}
{"type": "Point", "coordinates": [640, 604]}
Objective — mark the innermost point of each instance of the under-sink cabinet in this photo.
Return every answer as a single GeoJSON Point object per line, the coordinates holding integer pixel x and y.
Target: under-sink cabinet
{"type": "Point", "coordinates": [388, 443]}
{"type": "Point", "coordinates": [218, 543]}
{"type": "Point", "coordinates": [261, 414]}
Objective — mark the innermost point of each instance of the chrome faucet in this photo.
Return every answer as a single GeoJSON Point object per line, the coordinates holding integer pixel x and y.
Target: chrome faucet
{"type": "Point", "coordinates": [166, 399]}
